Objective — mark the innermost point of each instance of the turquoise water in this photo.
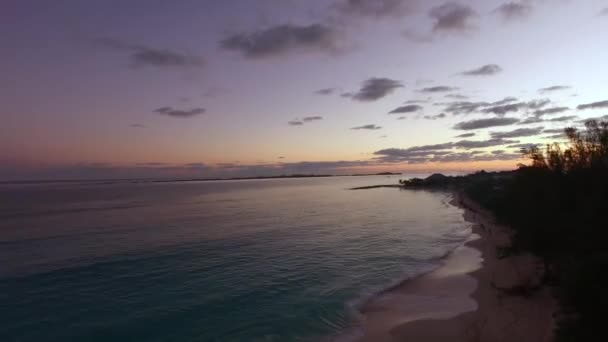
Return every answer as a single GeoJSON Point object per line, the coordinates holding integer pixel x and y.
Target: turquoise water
{"type": "Point", "coordinates": [260, 260]}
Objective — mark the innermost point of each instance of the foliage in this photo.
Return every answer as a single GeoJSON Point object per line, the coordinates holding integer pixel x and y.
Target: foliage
{"type": "Point", "coordinates": [558, 208]}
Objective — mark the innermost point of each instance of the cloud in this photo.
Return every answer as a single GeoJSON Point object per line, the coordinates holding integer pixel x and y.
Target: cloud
{"type": "Point", "coordinates": [525, 145]}
{"type": "Point", "coordinates": [513, 10]}
{"type": "Point", "coordinates": [598, 118]}
{"type": "Point", "coordinates": [416, 101]}
{"type": "Point", "coordinates": [376, 88]}
{"type": "Point", "coordinates": [504, 101]}
{"type": "Point", "coordinates": [552, 110]}
{"type": "Point", "coordinates": [536, 104]}
{"type": "Point", "coordinates": [486, 70]}
{"type": "Point", "coordinates": [445, 152]}
{"type": "Point", "coordinates": [593, 105]}
{"type": "Point", "coordinates": [307, 119]}
{"type": "Point", "coordinates": [312, 118]}
{"type": "Point", "coordinates": [563, 118]}
{"type": "Point", "coordinates": [456, 96]}
{"type": "Point", "coordinates": [136, 125]}
{"type": "Point", "coordinates": [520, 132]}
{"type": "Point", "coordinates": [437, 89]}
{"type": "Point", "coordinates": [554, 130]}
{"type": "Point", "coordinates": [553, 88]}
{"type": "Point", "coordinates": [452, 16]}
{"type": "Point", "coordinates": [604, 11]}
{"type": "Point", "coordinates": [464, 107]}
{"type": "Point", "coordinates": [406, 109]}
{"type": "Point", "coordinates": [377, 8]}
{"type": "Point", "coordinates": [467, 107]}
{"type": "Point", "coordinates": [325, 91]}
{"type": "Point", "coordinates": [369, 127]}
{"type": "Point", "coordinates": [485, 123]}
{"type": "Point", "coordinates": [466, 135]}
{"type": "Point", "coordinates": [503, 109]}
{"type": "Point", "coordinates": [180, 113]}
{"type": "Point", "coordinates": [141, 56]}
{"type": "Point", "coordinates": [281, 39]}
{"type": "Point", "coordinates": [531, 120]}
{"type": "Point", "coordinates": [435, 117]}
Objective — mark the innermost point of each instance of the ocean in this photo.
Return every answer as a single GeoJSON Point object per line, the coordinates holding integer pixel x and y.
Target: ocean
{"type": "Point", "coordinates": [249, 260]}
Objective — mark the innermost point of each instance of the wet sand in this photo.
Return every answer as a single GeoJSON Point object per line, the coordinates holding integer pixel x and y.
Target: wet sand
{"type": "Point", "coordinates": [462, 300]}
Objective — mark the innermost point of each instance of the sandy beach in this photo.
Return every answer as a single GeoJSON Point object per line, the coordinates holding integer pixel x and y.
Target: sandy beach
{"type": "Point", "coordinates": [464, 300]}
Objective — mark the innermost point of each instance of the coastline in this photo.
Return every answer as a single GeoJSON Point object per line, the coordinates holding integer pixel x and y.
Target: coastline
{"type": "Point", "coordinates": [465, 299]}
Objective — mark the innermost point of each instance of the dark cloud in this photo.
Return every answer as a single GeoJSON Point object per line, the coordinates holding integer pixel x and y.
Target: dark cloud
{"type": "Point", "coordinates": [520, 132]}
{"type": "Point", "coordinates": [554, 130]}
{"type": "Point", "coordinates": [469, 144]}
{"type": "Point", "coordinates": [307, 119]}
{"type": "Point", "coordinates": [435, 117]}
{"type": "Point", "coordinates": [376, 88]}
{"type": "Point", "coordinates": [416, 101]}
{"type": "Point", "coordinates": [377, 8]}
{"type": "Point", "coordinates": [525, 145]}
{"type": "Point", "coordinates": [499, 108]}
{"type": "Point", "coordinates": [141, 56]}
{"type": "Point", "coordinates": [531, 120]}
{"type": "Point", "coordinates": [486, 70]}
{"type": "Point", "coordinates": [406, 109]}
{"type": "Point", "coordinates": [563, 118]}
{"type": "Point", "coordinates": [456, 96]}
{"type": "Point", "coordinates": [467, 107]}
{"type": "Point", "coordinates": [514, 10]}
{"type": "Point", "coordinates": [180, 113]}
{"type": "Point", "coordinates": [444, 152]}
{"type": "Point", "coordinates": [452, 16]}
{"type": "Point", "coordinates": [463, 107]}
{"type": "Point", "coordinates": [549, 111]}
{"type": "Point", "coordinates": [503, 109]}
{"type": "Point", "coordinates": [593, 105]}
{"type": "Point", "coordinates": [369, 127]}
{"type": "Point", "coordinates": [504, 101]}
{"type": "Point", "coordinates": [312, 118]}
{"type": "Point", "coordinates": [281, 39]}
{"type": "Point", "coordinates": [466, 135]}
{"type": "Point", "coordinates": [325, 91]}
{"type": "Point", "coordinates": [485, 123]}
{"type": "Point", "coordinates": [553, 88]}
{"type": "Point", "coordinates": [537, 104]}
{"type": "Point", "coordinates": [604, 11]}
{"type": "Point", "coordinates": [598, 118]}
{"type": "Point", "coordinates": [135, 125]}
{"type": "Point", "coordinates": [437, 89]}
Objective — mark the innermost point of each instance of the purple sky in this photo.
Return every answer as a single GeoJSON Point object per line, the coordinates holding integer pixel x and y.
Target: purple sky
{"type": "Point", "coordinates": [134, 88]}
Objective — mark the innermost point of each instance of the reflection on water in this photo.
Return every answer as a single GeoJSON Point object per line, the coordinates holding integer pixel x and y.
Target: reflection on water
{"type": "Point", "coordinates": [263, 260]}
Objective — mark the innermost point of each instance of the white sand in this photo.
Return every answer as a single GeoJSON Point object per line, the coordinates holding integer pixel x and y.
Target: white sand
{"type": "Point", "coordinates": [459, 301]}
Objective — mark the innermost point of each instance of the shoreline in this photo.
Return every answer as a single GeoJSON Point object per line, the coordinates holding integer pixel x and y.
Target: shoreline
{"type": "Point", "coordinates": [464, 299]}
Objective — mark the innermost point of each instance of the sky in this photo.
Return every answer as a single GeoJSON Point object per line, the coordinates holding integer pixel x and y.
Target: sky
{"type": "Point", "coordinates": [157, 88]}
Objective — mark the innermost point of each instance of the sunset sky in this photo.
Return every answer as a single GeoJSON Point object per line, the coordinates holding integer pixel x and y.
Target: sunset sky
{"type": "Point", "coordinates": [158, 88]}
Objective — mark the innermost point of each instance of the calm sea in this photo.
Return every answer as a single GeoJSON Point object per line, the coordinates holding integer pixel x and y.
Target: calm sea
{"type": "Point", "coordinates": [257, 260]}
